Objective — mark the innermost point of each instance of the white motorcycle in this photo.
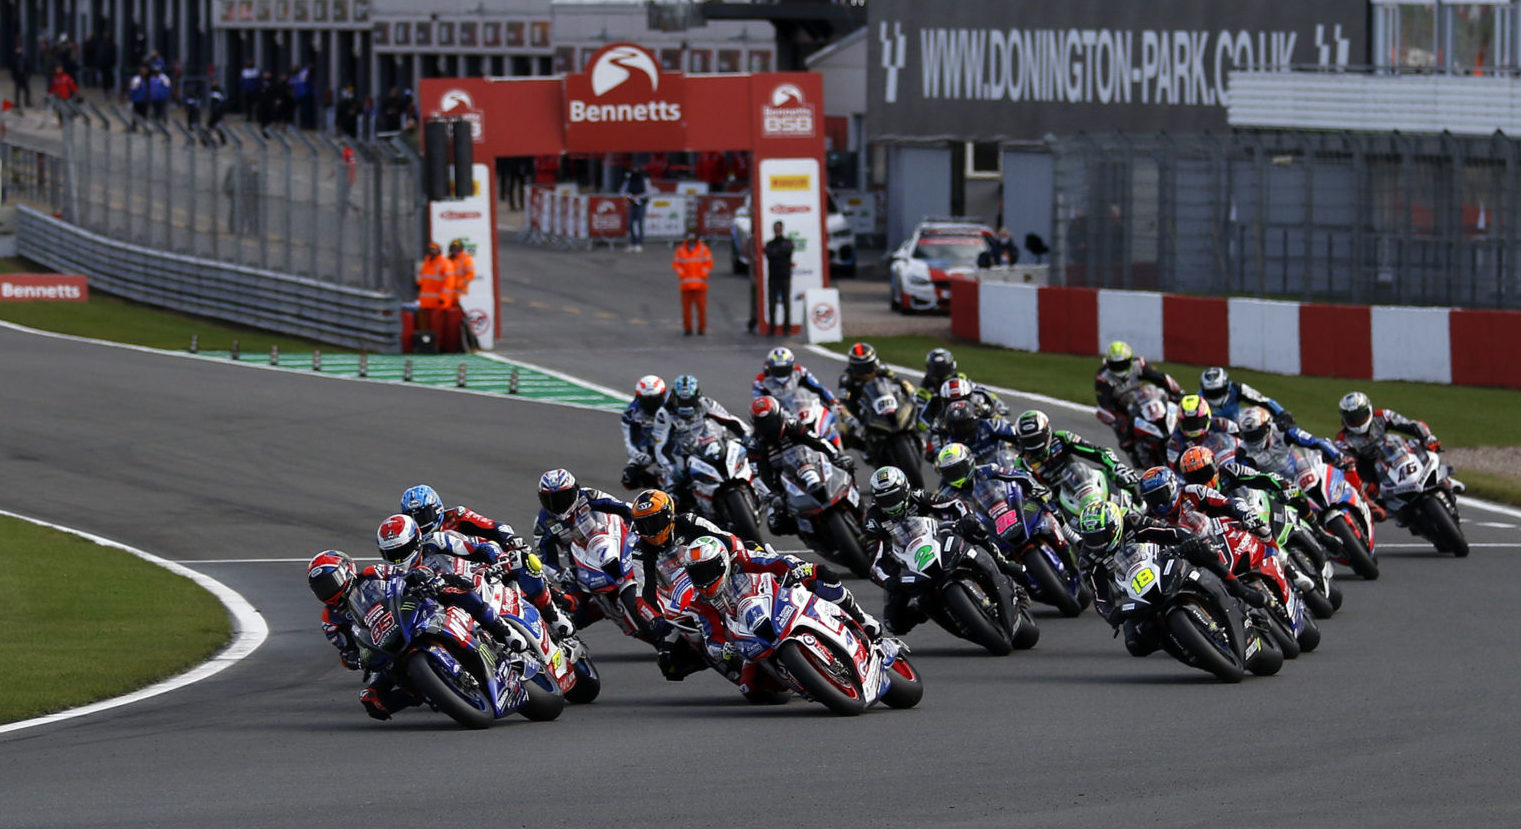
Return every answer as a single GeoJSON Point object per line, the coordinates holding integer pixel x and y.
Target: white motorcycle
{"type": "Point", "coordinates": [722, 481]}
{"type": "Point", "coordinates": [1412, 485]}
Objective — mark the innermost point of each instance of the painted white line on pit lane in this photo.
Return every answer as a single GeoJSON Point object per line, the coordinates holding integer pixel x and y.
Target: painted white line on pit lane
{"type": "Point", "coordinates": [1496, 524]}
{"type": "Point", "coordinates": [250, 631]}
{"type": "Point", "coordinates": [1472, 503]}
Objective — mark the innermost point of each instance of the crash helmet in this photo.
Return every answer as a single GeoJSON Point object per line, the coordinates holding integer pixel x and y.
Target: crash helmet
{"type": "Point", "coordinates": [706, 561]}
{"type": "Point", "coordinates": [687, 396]}
{"type": "Point", "coordinates": [1197, 466]}
{"type": "Point", "coordinates": [1215, 385]}
{"type": "Point", "coordinates": [1256, 428]}
{"type": "Point", "coordinates": [1102, 526]}
{"type": "Point", "coordinates": [1033, 432]}
{"type": "Point", "coordinates": [939, 365]}
{"type": "Point", "coordinates": [422, 503]}
{"type": "Point", "coordinates": [650, 392]}
{"type": "Point", "coordinates": [330, 575]}
{"type": "Point", "coordinates": [1356, 412]}
{"type": "Point", "coordinates": [767, 416]}
{"type": "Point", "coordinates": [1161, 491]}
{"type": "Point", "coordinates": [1195, 416]}
{"type": "Point", "coordinates": [956, 388]}
{"type": "Point", "coordinates": [398, 538]}
{"type": "Point", "coordinates": [955, 464]}
{"type": "Point", "coordinates": [889, 486]}
{"type": "Point", "coordinates": [654, 516]}
{"type": "Point", "coordinates": [780, 362]}
{"type": "Point", "coordinates": [861, 361]}
{"type": "Point", "coordinates": [1119, 358]}
{"type": "Point", "coordinates": [960, 421]}
{"type": "Point", "coordinates": [558, 492]}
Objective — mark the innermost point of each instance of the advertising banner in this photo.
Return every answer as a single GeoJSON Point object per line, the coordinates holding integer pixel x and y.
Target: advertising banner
{"type": "Point", "coordinates": [790, 192]}
{"type": "Point", "coordinates": [862, 208]}
{"type": "Point", "coordinates": [715, 214]}
{"type": "Point", "coordinates": [666, 217]}
{"type": "Point", "coordinates": [46, 287]}
{"type": "Point", "coordinates": [469, 220]}
{"type": "Point", "coordinates": [607, 217]}
{"type": "Point", "coordinates": [995, 70]}
{"type": "Point", "coordinates": [623, 99]}
{"type": "Point", "coordinates": [822, 322]}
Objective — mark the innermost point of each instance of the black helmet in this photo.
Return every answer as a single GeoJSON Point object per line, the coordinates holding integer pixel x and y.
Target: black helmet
{"type": "Point", "coordinates": [863, 361]}
{"type": "Point", "coordinates": [939, 364]}
{"type": "Point", "coordinates": [329, 575]}
{"type": "Point", "coordinates": [960, 421]}
{"type": "Point", "coordinates": [1033, 430]}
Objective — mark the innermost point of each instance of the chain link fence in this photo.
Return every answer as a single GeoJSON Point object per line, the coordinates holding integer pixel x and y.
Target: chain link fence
{"type": "Point", "coordinates": [1374, 219]}
{"type": "Point", "coordinates": [290, 202]}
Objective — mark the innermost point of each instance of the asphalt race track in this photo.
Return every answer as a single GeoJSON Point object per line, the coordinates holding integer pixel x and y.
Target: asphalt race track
{"type": "Point", "coordinates": [1404, 716]}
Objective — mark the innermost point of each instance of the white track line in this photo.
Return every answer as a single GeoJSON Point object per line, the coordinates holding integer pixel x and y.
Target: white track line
{"type": "Point", "coordinates": [249, 633]}
{"type": "Point", "coordinates": [1413, 546]}
{"type": "Point", "coordinates": [1473, 503]}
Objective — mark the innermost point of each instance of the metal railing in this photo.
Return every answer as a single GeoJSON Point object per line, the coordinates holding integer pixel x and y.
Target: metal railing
{"type": "Point", "coordinates": [1311, 216]}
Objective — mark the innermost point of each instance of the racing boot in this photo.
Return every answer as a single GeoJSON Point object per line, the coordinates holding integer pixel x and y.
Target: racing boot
{"type": "Point", "coordinates": [505, 633]}
{"type": "Point", "coordinates": [373, 705]}
{"type": "Point", "coordinates": [868, 623]}
{"type": "Point", "coordinates": [560, 626]}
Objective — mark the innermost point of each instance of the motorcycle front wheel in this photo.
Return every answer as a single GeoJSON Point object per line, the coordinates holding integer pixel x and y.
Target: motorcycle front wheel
{"type": "Point", "coordinates": [739, 510]}
{"type": "Point", "coordinates": [464, 699]}
{"type": "Point", "coordinates": [1356, 553]}
{"type": "Point", "coordinates": [979, 614]}
{"type": "Point", "coordinates": [543, 703]}
{"type": "Point", "coordinates": [833, 684]}
{"type": "Point", "coordinates": [902, 453]}
{"type": "Point", "coordinates": [905, 688]}
{"type": "Point", "coordinates": [1209, 649]}
{"type": "Point", "coordinates": [846, 543]}
{"type": "Point", "coordinates": [1319, 603]}
{"type": "Point", "coordinates": [1444, 531]}
{"type": "Point", "coordinates": [1053, 588]}
{"type": "Point", "coordinates": [588, 682]}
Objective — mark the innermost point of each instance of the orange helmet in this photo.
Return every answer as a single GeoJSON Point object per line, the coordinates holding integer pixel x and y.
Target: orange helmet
{"type": "Point", "coordinates": [1197, 466]}
{"type": "Point", "coordinates": [654, 516]}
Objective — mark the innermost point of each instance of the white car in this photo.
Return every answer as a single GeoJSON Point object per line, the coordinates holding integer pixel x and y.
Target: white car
{"type": "Point", "coordinates": [841, 238]}
{"type": "Point", "coordinates": [922, 267]}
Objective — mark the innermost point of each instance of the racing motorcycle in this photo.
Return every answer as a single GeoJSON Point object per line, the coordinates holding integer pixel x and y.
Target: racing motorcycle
{"type": "Point", "coordinates": [1257, 568]}
{"type": "Point", "coordinates": [1025, 530]}
{"type": "Point", "coordinates": [1305, 555]}
{"type": "Point", "coordinates": [600, 582]}
{"type": "Point", "coordinates": [721, 480]}
{"type": "Point", "coordinates": [1340, 510]}
{"type": "Point", "coordinates": [824, 501]}
{"type": "Point", "coordinates": [439, 653]}
{"type": "Point", "coordinates": [568, 659]}
{"type": "Point", "coordinates": [1152, 420]}
{"type": "Point", "coordinates": [1412, 482]}
{"type": "Point", "coordinates": [1189, 612]}
{"type": "Point", "coordinates": [806, 645]}
{"type": "Point", "coordinates": [1077, 485]}
{"type": "Point", "coordinates": [960, 586]}
{"type": "Point", "coordinates": [811, 412]}
{"type": "Point", "coordinates": [890, 428]}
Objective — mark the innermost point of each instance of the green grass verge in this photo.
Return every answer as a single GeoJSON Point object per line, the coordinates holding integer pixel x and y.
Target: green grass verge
{"type": "Point", "coordinates": [81, 622]}
{"type": "Point", "coordinates": [1459, 415]}
{"type": "Point", "coordinates": [106, 317]}
{"type": "Point", "coordinates": [1491, 487]}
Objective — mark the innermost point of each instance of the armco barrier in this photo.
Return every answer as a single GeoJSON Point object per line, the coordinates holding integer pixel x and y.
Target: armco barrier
{"type": "Point", "coordinates": [264, 299]}
{"type": "Point", "coordinates": [1437, 345]}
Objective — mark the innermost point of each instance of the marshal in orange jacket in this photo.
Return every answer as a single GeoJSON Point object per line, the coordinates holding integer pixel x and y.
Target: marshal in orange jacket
{"type": "Point", "coordinates": [692, 264]}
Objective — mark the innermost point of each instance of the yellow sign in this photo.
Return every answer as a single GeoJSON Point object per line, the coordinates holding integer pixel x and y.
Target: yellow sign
{"type": "Point", "coordinates": [793, 182]}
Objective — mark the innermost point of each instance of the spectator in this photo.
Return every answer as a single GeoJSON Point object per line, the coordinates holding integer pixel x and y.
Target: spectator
{"type": "Point", "coordinates": [367, 118]}
{"type": "Point", "coordinates": [779, 278]}
{"type": "Point", "coordinates": [62, 88]}
{"type": "Point", "coordinates": [159, 88]}
{"type": "Point", "coordinates": [266, 100]}
{"type": "Point", "coordinates": [692, 263]}
{"type": "Point", "coordinates": [191, 99]}
{"type": "Point", "coordinates": [63, 56]}
{"type": "Point", "coordinates": [89, 56]}
{"type": "Point", "coordinates": [347, 117]}
{"type": "Point", "coordinates": [303, 97]}
{"type": "Point", "coordinates": [1003, 249]}
{"type": "Point", "coordinates": [391, 111]}
{"type": "Point", "coordinates": [21, 76]}
{"type": "Point", "coordinates": [105, 62]}
{"type": "Point", "coordinates": [156, 61]}
{"type": "Point", "coordinates": [249, 81]}
{"type": "Point", "coordinates": [137, 92]}
{"type": "Point", "coordinates": [636, 190]}
{"type": "Point", "coordinates": [285, 101]}
{"type": "Point", "coordinates": [216, 107]}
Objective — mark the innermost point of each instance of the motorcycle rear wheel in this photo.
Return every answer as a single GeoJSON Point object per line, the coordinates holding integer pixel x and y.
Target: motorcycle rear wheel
{"type": "Point", "coordinates": [1353, 549]}
{"type": "Point", "coordinates": [465, 705]}
{"type": "Point", "coordinates": [846, 543]}
{"type": "Point", "coordinates": [1444, 531]}
{"type": "Point", "coordinates": [905, 688]}
{"type": "Point", "coordinates": [543, 704]}
{"type": "Point", "coordinates": [979, 620]}
{"type": "Point", "coordinates": [1027, 635]}
{"type": "Point", "coordinates": [739, 508]}
{"type": "Point", "coordinates": [588, 682]}
{"type": "Point", "coordinates": [1319, 603]}
{"type": "Point", "coordinates": [1053, 588]}
{"type": "Point", "coordinates": [1199, 643]}
{"type": "Point", "coordinates": [842, 697]}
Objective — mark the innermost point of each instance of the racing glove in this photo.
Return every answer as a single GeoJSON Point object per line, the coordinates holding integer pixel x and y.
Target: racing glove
{"type": "Point", "coordinates": [423, 580]}
{"type": "Point", "coordinates": [1432, 444]}
{"type": "Point", "coordinates": [1284, 421]}
{"type": "Point", "coordinates": [350, 658]}
{"type": "Point", "coordinates": [799, 574]}
{"type": "Point", "coordinates": [1128, 478]}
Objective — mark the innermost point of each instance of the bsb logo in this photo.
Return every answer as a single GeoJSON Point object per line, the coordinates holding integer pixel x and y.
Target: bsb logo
{"type": "Point", "coordinates": [457, 103]}
{"type": "Point", "coordinates": [787, 115]}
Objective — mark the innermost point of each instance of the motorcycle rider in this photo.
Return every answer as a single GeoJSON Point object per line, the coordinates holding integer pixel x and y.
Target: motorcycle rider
{"type": "Point", "coordinates": [1195, 423]}
{"type": "Point", "coordinates": [686, 410]}
{"type": "Point", "coordinates": [893, 502]}
{"type": "Point", "coordinates": [638, 424]}
{"type": "Point", "coordinates": [1107, 530]}
{"type": "Point", "coordinates": [861, 367]}
{"type": "Point", "coordinates": [943, 383]}
{"type": "Point", "coordinates": [1044, 451]}
{"type": "Point", "coordinates": [782, 378]}
{"type": "Point", "coordinates": [774, 431]}
{"type": "Point", "coordinates": [1230, 398]}
{"type": "Point", "coordinates": [346, 595]}
{"type": "Point", "coordinates": [1115, 384]}
{"type": "Point", "coordinates": [959, 474]}
{"type": "Point", "coordinates": [564, 507]}
{"type": "Point", "coordinates": [961, 424]}
{"type": "Point", "coordinates": [1260, 437]}
{"type": "Point", "coordinates": [423, 505]}
{"type": "Point", "coordinates": [403, 542]}
{"type": "Point", "coordinates": [1362, 436]}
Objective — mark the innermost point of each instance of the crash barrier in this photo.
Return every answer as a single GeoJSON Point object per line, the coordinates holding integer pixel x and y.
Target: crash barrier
{"type": "Point", "coordinates": [563, 218]}
{"type": "Point", "coordinates": [353, 317]}
{"type": "Point", "coordinates": [1379, 342]}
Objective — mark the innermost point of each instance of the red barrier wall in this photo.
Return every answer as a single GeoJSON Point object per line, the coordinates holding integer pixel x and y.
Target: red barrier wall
{"type": "Point", "coordinates": [965, 316]}
{"type": "Point", "coordinates": [1069, 320]}
{"type": "Point", "coordinates": [1335, 341]}
{"type": "Point", "coordinates": [1483, 347]}
{"type": "Point", "coordinates": [1196, 330]}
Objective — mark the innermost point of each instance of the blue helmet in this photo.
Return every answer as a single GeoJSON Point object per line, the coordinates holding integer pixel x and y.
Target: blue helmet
{"type": "Point", "coordinates": [557, 492]}
{"type": "Point", "coordinates": [423, 504]}
{"type": "Point", "coordinates": [780, 361]}
{"type": "Point", "coordinates": [1161, 491]}
{"type": "Point", "coordinates": [686, 395]}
